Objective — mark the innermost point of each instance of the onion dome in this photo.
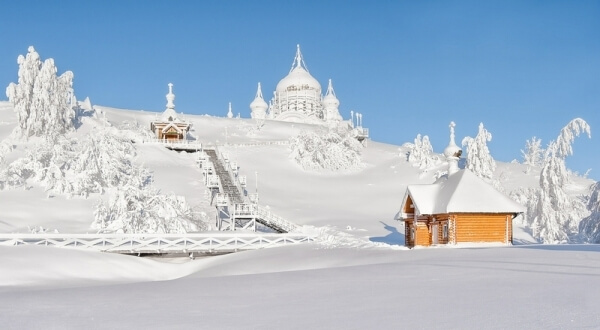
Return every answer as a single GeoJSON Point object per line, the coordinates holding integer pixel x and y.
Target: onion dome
{"type": "Point", "coordinates": [452, 150]}
{"type": "Point", "coordinates": [259, 106]}
{"type": "Point", "coordinates": [298, 78]}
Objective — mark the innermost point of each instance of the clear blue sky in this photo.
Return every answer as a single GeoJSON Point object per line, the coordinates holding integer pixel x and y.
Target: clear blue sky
{"type": "Point", "coordinates": [523, 68]}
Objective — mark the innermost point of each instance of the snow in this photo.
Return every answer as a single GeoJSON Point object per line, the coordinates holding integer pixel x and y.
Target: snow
{"type": "Point", "coordinates": [357, 275]}
{"type": "Point", "coordinates": [461, 192]}
{"type": "Point", "coordinates": [305, 287]}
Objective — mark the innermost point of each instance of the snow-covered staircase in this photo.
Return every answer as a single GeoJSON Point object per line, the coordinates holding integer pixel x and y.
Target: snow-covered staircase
{"type": "Point", "coordinates": [229, 187]}
{"type": "Point", "coordinates": [231, 198]}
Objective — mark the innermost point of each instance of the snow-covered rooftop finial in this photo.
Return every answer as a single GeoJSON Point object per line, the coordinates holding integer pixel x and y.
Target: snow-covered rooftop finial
{"type": "Point", "coordinates": [298, 60]}
{"type": "Point", "coordinates": [259, 92]}
{"type": "Point", "coordinates": [229, 113]}
{"type": "Point", "coordinates": [170, 98]}
{"type": "Point", "coordinates": [452, 152]}
{"type": "Point", "coordinates": [169, 114]}
{"type": "Point", "coordinates": [330, 89]}
{"type": "Point", "coordinates": [331, 105]}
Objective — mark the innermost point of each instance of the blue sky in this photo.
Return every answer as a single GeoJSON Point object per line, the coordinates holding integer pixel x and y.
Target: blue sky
{"type": "Point", "coordinates": [523, 68]}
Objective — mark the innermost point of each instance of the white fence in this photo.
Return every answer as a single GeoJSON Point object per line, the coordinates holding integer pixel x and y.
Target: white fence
{"type": "Point", "coordinates": [205, 243]}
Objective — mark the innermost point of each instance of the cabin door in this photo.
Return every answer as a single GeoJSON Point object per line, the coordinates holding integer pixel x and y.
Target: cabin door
{"type": "Point", "coordinates": [434, 233]}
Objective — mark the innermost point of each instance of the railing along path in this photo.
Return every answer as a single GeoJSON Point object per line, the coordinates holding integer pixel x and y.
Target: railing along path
{"type": "Point", "coordinates": [205, 243]}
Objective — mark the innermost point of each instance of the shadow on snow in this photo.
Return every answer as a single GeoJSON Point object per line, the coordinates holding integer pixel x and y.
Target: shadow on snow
{"type": "Point", "coordinates": [393, 238]}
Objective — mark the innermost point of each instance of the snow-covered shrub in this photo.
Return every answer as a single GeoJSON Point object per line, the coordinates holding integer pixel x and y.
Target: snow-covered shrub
{"type": "Point", "coordinates": [420, 153]}
{"type": "Point", "coordinates": [479, 160]}
{"type": "Point", "coordinates": [589, 227]}
{"type": "Point", "coordinates": [133, 209]}
{"type": "Point", "coordinates": [326, 150]}
{"type": "Point", "coordinates": [44, 102]}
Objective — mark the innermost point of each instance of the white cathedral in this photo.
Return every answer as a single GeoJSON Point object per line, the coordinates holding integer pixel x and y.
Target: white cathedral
{"type": "Point", "coordinates": [298, 98]}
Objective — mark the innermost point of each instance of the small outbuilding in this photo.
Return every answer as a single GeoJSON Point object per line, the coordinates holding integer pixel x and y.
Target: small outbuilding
{"type": "Point", "coordinates": [458, 208]}
{"type": "Point", "coordinates": [169, 127]}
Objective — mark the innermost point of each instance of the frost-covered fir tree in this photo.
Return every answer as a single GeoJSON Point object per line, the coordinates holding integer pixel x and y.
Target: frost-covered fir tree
{"type": "Point", "coordinates": [479, 160]}
{"type": "Point", "coordinates": [589, 227]}
{"type": "Point", "coordinates": [420, 153]}
{"type": "Point", "coordinates": [533, 153]}
{"type": "Point", "coordinates": [42, 100]}
{"type": "Point", "coordinates": [556, 214]}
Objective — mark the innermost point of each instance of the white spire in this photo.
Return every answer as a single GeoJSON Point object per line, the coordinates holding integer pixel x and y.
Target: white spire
{"type": "Point", "coordinates": [259, 92]}
{"type": "Point", "coordinates": [452, 152]}
{"type": "Point", "coordinates": [170, 97]}
{"type": "Point", "coordinates": [229, 113]}
{"type": "Point", "coordinates": [170, 114]}
{"type": "Point", "coordinates": [298, 60]}
{"type": "Point", "coordinates": [331, 105]}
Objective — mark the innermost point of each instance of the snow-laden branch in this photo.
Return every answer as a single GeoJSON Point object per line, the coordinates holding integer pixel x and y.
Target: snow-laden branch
{"type": "Point", "coordinates": [326, 150]}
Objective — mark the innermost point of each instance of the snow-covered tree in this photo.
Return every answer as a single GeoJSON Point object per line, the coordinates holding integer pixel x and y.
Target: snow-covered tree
{"type": "Point", "coordinates": [479, 160]}
{"type": "Point", "coordinates": [533, 153]}
{"type": "Point", "coordinates": [420, 153]}
{"type": "Point", "coordinates": [326, 150]}
{"type": "Point", "coordinates": [589, 227]}
{"type": "Point", "coordinates": [44, 103]}
{"type": "Point", "coordinates": [77, 167]}
{"type": "Point", "coordinates": [138, 210]}
{"type": "Point", "coordinates": [556, 213]}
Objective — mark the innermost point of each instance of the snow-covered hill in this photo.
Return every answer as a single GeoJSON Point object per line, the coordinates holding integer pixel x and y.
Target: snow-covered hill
{"type": "Point", "coordinates": [357, 276]}
{"type": "Point", "coordinates": [362, 202]}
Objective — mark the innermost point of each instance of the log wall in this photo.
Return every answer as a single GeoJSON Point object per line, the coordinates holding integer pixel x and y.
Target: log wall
{"type": "Point", "coordinates": [483, 228]}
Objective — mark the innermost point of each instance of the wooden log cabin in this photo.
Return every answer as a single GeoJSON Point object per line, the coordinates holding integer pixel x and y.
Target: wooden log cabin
{"type": "Point", "coordinates": [458, 208]}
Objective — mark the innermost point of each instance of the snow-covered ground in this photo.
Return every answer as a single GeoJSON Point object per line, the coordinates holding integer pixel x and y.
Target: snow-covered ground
{"type": "Point", "coordinates": [300, 287]}
{"type": "Point", "coordinates": [357, 276]}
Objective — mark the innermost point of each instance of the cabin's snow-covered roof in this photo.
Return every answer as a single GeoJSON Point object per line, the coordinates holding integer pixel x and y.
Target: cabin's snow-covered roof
{"type": "Point", "coordinates": [462, 192]}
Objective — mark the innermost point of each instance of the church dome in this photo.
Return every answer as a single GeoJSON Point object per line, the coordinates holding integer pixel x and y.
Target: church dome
{"type": "Point", "coordinates": [452, 150]}
{"type": "Point", "coordinates": [299, 78]}
{"type": "Point", "coordinates": [259, 104]}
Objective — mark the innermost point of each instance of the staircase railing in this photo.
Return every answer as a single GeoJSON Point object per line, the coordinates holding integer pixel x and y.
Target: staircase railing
{"type": "Point", "coordinates": [274, 220]}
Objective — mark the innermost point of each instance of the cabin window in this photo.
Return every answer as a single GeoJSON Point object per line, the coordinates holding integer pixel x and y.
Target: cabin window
{"type": "Point", "coordinates": [412, 233]}
{"type": "Point", "coordinates": [445, 231]}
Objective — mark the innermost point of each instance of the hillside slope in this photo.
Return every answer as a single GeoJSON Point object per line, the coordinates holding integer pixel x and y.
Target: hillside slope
{"type": "Point", "coordinates": [363, 203]}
